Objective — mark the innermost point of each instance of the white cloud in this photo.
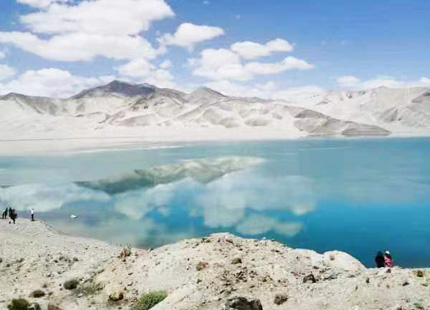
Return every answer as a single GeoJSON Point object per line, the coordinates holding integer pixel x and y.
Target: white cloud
{"type": "Point", "coordinates": [223, 64]}
{"type": "Point", "coordinates": [252, 50]}
{"type": "Point", "coordinates": [187, 35]}
{"type": "Point", "coordinates": [2, 54]}
{"type": "Point", "coordinates": [161, 78]}
{"type": "Point", "coordinates": [268, 90]}
{"type": "Point", "coordinates": [81, 46]}
{"type": "Point", "coordinates": [259, 224]}
{"type": "Point", "coordinates": [289, 63]}
{"type": "Point", "coordinates": [45, 198]}
{"type": "Point", "coordinates": [347, 80]}
{"type": "Point", "coordinates": [51, 83]}
{"type": "Point", "coordinates": [166, 64]}
{"type": "Point", "coordinates": [425, 81]}
{"type": "Point", "coordinates": [136, 204]}
{"type": "Point", "coordinates": [40, 3]}
{"type": "Point", "coordinates": [147, 72]}
{"type": "Point", "coordinates": [137, 68]}
{"type": "Point", "coordinates": [81, 32]}
{"type": "Point", "coordinates": [6, 72]}
{"type": "Point", "coordinates": [381, 81]}
{"type": "Point", "coordinates": [101, 17]}
{"type": "Point", "coordinates": [295, 93]}
{"type": "Point", "coordinates": [219, 64]}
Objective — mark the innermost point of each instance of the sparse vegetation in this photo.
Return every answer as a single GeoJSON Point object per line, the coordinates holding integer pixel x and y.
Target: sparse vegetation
{"type": "Point", "coordinates": [90, 289]}
{"type": "Point", "coordinates": [149, 300]}
{"type": "Point", "coordinates": [19, 304]}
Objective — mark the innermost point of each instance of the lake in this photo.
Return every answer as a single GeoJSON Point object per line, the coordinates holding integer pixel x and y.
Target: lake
{"type": "Point", "coordinates": [354, 195]}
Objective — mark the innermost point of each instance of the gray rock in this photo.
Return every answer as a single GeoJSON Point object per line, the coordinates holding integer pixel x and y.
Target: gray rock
{"type": "Point", "coordinates": [280, 299]}
{"type": "Point", "coordinates": [37, 294]}
{"type": "Point", "coordinates": [242, 303]}
{"type": "Point", "coordinates": [116, 296]}
{"type": "Point", "coordinates": [71, 284]}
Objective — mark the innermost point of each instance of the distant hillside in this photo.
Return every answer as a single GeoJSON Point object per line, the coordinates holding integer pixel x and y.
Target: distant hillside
{"type": "Point", "coordinates": [124, 107]}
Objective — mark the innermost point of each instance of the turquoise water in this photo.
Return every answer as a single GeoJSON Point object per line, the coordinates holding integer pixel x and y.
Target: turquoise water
{"type": "Point", "coordinates": [358, 196]}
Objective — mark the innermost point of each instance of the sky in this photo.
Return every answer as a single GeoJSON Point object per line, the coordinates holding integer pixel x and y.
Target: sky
{"type": "Point", "coordinates": [270, 48]}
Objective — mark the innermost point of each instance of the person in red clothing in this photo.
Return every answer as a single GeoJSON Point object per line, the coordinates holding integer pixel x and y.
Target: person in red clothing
{"type": "Point", "coordinates": [388, 259]}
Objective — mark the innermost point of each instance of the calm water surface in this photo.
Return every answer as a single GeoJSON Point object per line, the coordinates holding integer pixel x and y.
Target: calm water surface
{"type": "Point", "coordinates": [358, 196]}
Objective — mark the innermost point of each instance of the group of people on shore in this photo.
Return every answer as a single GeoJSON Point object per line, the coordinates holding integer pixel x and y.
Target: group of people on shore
{"type": "Point", "coordinates": [10, 213]}
{"type": "Point", "coordinates": [384, 259]}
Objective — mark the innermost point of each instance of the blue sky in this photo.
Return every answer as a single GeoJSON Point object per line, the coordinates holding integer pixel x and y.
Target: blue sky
{"type": "Point", "coordinates": [57, 47]}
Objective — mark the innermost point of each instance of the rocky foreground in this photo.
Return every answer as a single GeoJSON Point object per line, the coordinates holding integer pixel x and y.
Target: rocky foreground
{"type": "Point", "coordinates": [221, 271]}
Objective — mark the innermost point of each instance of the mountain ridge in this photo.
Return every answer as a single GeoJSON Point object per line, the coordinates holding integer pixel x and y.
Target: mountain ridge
{"type": "Point", "coordinates": [127, 107]}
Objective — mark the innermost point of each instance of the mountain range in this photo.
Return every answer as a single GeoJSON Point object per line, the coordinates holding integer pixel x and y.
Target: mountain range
{"type": "Point", "coordinates": [124, 109]}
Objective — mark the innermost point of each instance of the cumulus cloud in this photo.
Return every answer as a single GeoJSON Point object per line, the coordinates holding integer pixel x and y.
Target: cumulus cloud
{"type": "Point", "coordinates": [166, 64]}
{"type": "Point", "coordinates": [224, 202]}
{"type": "Point", "coordinates": [267, 90]}
{"type": "Point", "coordinates": [223, 64]}
{"type": "Point", "coordinates": [137, 68]}
{"type": "Point", "coordinates": [136, 204]}
{"type": "Point", "coordinates": [381, 81]}
{"type": "Point", "coordinates": [145, 71]}
{"type": "Point", "coordinates": [2, 54]}
{"type": "Point", "coordinates": [258, 225]}
{"type": "Point", "coordinates": [252, 50]}
{"type": "Point", "coordinates": [81, 32]}
{"type": "Point", "coordinates": [347, 80]}
{"type": "Point", "coordinates": [40, 3]}
{"type": "Point", "coordinates": [81, 46]}
{"type": "Point", "coordinates": [101, 17]}
{"type": "Point", "coordinates": [45, 198]}
{"type": "Point", "coordinates": [289, 63]}
{"type": "Point", "coordinates": [50, 82]}
{"type": "Point", "coordinates": [187, 35]}
{"type": "Point", "coordinates": [6, 72]}
{"type": "Point", "coordinates": [218, 64]}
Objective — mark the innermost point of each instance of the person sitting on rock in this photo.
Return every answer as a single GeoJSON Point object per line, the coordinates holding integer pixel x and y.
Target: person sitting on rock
{"type": "Point", "coordinates": [380, 260]}
{"type": "Point", "coordinates": [388, 259]}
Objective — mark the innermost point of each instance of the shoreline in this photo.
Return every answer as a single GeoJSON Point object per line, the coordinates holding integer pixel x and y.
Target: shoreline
{"type": "Point", "coordinates": [25, 146]}
{"type": "Point", "coordinates": [199, 273]}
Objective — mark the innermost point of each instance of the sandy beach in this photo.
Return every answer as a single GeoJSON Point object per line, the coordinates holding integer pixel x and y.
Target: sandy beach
{"type": "Point", "coordinates": [203, 273]}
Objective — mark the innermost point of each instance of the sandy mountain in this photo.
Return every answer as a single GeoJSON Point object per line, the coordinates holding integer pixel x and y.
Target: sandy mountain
{"type": "Point", "coordinates": [121, 108]}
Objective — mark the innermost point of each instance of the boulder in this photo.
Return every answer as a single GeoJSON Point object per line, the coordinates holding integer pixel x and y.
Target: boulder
{"type": "Point", "coordinates": [309, 278]}
{"type": "Point", "coordinates": [71, 284]}
{"type": "Point", "coordinates": [280, 299]}
{"type": "Point", "coordinates": [236, 260]}
{"type": "Point", "coordinates": [242, 303]}
{"type": "Point", "coordinates": [116, 296]}
{"type": "Point", "coordinates": [34, 306]}
{"type": "Point", "coordinates": [37, 294]}
{"type": "Point", "coordinates": [202, 265]}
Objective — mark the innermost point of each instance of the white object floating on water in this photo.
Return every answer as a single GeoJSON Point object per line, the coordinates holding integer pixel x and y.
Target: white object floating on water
{"type": "Point", "coordinates": [73, 216]}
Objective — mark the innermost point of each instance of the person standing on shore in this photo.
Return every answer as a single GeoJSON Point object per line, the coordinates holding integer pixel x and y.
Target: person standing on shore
{"type": "Point", "coordinates": [4, 214]}
{"type": "Point", "coordinates": [32, 214]}
{"type": "Point", "coordinates": [10, 212]}
{"type": "Point", "coordinates": [13, 215]}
